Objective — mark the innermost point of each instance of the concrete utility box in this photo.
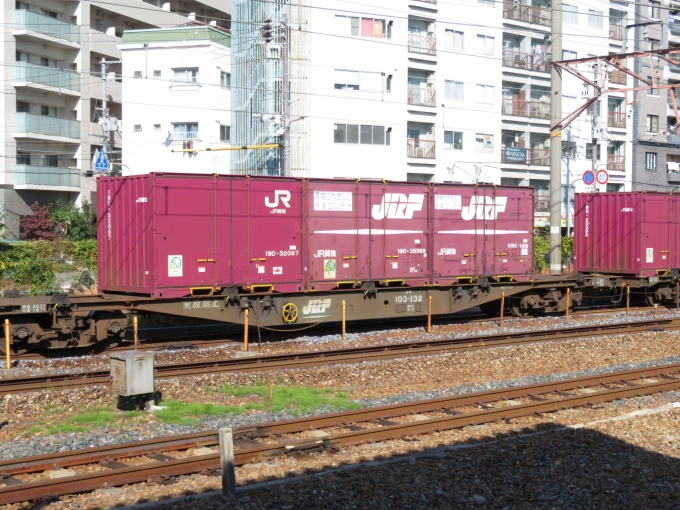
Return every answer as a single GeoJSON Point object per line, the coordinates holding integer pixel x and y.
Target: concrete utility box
{"type": "Point", "coordinates": [132, 373]}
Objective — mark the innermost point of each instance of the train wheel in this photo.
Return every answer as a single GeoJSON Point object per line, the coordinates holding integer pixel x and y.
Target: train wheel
{"type": "Point", "coordinates": [289, 313]}
{"type": "Point", "coordinates": [515, 308]}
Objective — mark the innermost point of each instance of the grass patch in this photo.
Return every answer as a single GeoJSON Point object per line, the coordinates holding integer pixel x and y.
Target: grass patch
{"type": "Point", "coordinates": [297, 399]}
{"type": "Point", "coordinates": [95, 418]}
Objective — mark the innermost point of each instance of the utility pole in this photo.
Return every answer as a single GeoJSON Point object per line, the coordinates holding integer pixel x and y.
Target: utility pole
{"type": "Point", "coordinates": [593, 149]}
{"type": "Point", "coordinates": [285, 93]}
{"type": "Point", "coordinates": [556, 141]}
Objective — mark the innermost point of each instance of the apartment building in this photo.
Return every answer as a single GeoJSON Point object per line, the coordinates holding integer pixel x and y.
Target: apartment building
{"type": "Point", "coordinates": [54, 90]}
{"type": "Point", "coordinates": [421, 90]}
{"type": "Point", "coordinates": [176, 95]}
{"type": "Point", "coordinates": [656, 141]}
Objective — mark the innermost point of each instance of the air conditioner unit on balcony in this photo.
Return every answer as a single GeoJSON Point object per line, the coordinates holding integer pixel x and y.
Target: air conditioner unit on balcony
{"type": "Point", "coordinates": [542, 205]}
{"type": "Point", "coordinates": [419, 152]}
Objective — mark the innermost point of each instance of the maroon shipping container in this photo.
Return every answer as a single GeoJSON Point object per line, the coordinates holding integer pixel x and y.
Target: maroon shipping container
{"type": "Point", "coordinates": [171, 235]}
{"type": "Point", "coordinates": [626, 233]}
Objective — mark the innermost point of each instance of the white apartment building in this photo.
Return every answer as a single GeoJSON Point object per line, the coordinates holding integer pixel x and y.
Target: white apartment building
{"type": "Point", "coordinates": [52, 51]}
{"type": "Point", "coordinates": [421, 90]}
{"type": "Point", "coordinates": [176, 95]}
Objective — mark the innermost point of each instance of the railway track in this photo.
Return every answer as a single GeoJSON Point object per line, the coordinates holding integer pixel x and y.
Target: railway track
{"type": "Point", "coordinates": [339, 356]}
{"type": "Point", "coordinates": [28, 479]}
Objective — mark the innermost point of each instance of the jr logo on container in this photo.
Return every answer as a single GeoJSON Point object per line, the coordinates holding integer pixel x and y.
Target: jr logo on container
{"type": "Point", "coordinates": [484, 208]}
{"type": "Point", "coordinates": [397, 206]}
{"type": "Point", "coordinates": [281, 196]}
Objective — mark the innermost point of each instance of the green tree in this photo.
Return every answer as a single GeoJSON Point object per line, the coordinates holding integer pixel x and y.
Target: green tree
{"type": "Point", "coordinates": [77, 223]}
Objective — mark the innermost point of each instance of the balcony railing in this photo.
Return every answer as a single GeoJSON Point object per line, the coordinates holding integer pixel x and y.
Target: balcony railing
{"type": "Point", "coordinates": [618, 77]}
{"type": "Point", "coordinates": [538, 157]}
{"type": "Point", "coordinates": [526, 13]}
{"type": "Point", "coordinates": [417, 148]}
{"type": "Point", "coordinates": [528, 61]}
{"type": "Point", "coordinates": [616, 162]}
{"type": "Point", "coordinates": [422, 44]}
{"type": "Point", "coordinates": [46, 176]}
{"type": "Point", "coordinates": [616, 32]}
{"type": "Point", "coordinates": [616, 119]}
{"type": "Point", "coordinates": [185, 135]}
{"type": "Point", "coordinates": [41, 124]}
{"type": "Point", "coordinates": [50, 76]}
{"type": "Point", "coordinates": [522, 108]}
{"type": "Point", "coordinates": [420, 96]}
{"type": "Point", "coordinates": [28, 20]}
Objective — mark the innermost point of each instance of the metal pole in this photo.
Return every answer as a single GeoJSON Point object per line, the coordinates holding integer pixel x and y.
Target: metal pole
{"type": "Point", "coordinates": [677, 295]}
{"type": "Point", "coordinates": [285, 97]}
{"type": "Point", "coordinates": [556, 141]}
{"type": "Point", "coordinates": [7, 330]}
{"type": "Point", "coordinates": [429, 314]}
{"type": "Point", "coordinates": [627, 300]}
{"type": "Point", "coordinates": [245, 331]}
{"type": "Point", "coordinates": [568, 299]}
{"type": "Point", "coordinates": [134, 328]}
{"type": "Point", "coordinates": [502, 307]}
{"type": "Point", "coordinates": [344, 329]}
{"type": "Point", "coordinates": [226, 439]}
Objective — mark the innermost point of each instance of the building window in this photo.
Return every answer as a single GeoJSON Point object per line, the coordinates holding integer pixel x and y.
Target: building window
{"type": "Point", "coordinates": [22, 57]}
{"type": "Point", "coordinates": [569, 13]}
{"type": "Point", "coordinates": [156, 127]}
{"type": "Point", "coordinates": [483, 142]}
{"type": "Point", "coordinates": [654, 9]}
{"type": "Point", "coordinates": [485, 94]}
{"type": "Point", "coordinates": [185, 75]}
{"type": "Point", "coordinates": [50, 14]}
{"type": "Point", "coordinates": [156, 74]}
{"type": "Point", "coordinates": [454, 39]}
{"type": "Point", "coordinates": [485, 44]}
{"type": "Point", "coordinates": [358, 80]}
{"type": "Point", "coordinates": [595, 108]}
{"type": "Point", "coordinates": [23, 158]}
{"type": "Point", "coordinates": [50, 161]}
{"type": "Point", "coordinates": [48, 62]}
{"type": "Point", "coordinates": [650, 161]}
{"type": "Point", "coordinates": [225, 134]}
{"type": "Point", "coordinates": [453, 90]}
{"type": "Point", "coordinates": [568, 104]}
{"type": "Point", "coordinates": [453, 140]}
{"type": "Point", "coordinates": [137, 74]}
{"type": "Point", "coordinates": [568, 55]}
{"type": "Point", "coordinates": [594, 18]}
{"type": "Point", "coordinates": [365, 134]}
{"type": "Point", "coordinates": [589, 151]}
{"type": "Point", "coordinates": [185, 131]}
{"type": "Point", "coordinates": [388, 83]}
{"type": "Point", "coordinates": [23, 107]}
{"type": "Point", "coordinates": [225, 80]}
{"type": "Point", "coordinates": [137, 128]}
{"type": "Point", "coordinates": [48, 111]}
{"type": "Point", "coordinates": [355, 26]}
{"type": "Point", "coordinates": [569, 149]}
{"type": "Point", "coordinates": [651, 91]}
{"type": "Point", "coordinates": [652, 123]}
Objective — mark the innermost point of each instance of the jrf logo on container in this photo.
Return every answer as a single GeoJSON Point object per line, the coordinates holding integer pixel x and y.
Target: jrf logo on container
{"type": "Point", "coordinates": [397, 206]}
{"type": "Point", "coordinates": [280, 196]}
{"type": "Point", "coordinates": [484, 208]}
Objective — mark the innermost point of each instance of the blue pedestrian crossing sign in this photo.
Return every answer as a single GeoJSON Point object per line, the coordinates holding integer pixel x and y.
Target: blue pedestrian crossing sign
{"type": "Point", "coordinates": [102, 162]}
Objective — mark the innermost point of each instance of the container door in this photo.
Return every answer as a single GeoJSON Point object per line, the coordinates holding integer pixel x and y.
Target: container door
{"type": "Point", "coordinates": [186, 232]}
{"type": "Point", "coordinates": [267, 234]}
{"type": "Point", "coordinates": [656, 233]}
{"type": "Point", "coordinates": [225, 248]}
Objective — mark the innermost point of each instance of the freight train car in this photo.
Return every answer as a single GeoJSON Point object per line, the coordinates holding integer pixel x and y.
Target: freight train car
{"type": "Point", "coordinates": [630, 240]}
{"type": "Point", "coordinates": [292, 251]}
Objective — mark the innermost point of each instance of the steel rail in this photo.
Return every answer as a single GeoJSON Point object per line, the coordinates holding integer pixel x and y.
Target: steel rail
{"type": "Point", "coordinates": [246, 451]}
{"type": "Point", "coordinates": [338, 356]}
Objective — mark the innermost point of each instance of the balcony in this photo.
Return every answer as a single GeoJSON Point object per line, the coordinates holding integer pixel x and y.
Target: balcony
{"type": "Point", "coordinates": [521, 108]}
{"type": "Point", "coordinates": [48, 76]}
{"type": "Point", "coordinates": [50, 126]}
{"type": "Point", "coordinates": [616, 162]}
{"type": "Point", "coordinates": [420, 96]}
{"type": "Point", "coordinates": [526, 13]}
{"type": "Point", "coordinates": [34, 22]}
{"type": "Point", "coordinates": [183, 136]}
{"type": "Point", "coordinates": [536, 157]}
{"type": "Point", "coordinates": [616, 120]}
{"type": "Point", "coordinates": [616, 32]}
{"type": "Point", "coordinates": [618, 77]}
{"type": "Point", "coordinates": [527, 61]}
{"type": "Point", "coordinates": [423, 44]}
{"type": "Point", "coordinates": [421, 149]}
{"type": "Point", "coordinates": [46, 176]}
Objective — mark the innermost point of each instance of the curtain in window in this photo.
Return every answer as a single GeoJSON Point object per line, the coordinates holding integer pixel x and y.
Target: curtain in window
{"type": "Point", "coordinates": [366, 27]}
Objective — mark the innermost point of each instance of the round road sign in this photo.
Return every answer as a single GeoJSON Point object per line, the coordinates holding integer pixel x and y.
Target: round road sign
{"type": "Point", "coordinates": [588, 177]}
{"type": "Point", "coordinates": [602, 177]}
